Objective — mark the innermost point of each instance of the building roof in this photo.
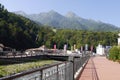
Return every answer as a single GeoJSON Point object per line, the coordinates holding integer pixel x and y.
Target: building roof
{"type": "Point", "coordinates": [1, 45]}
{"type": "Point", "coordinates": [40, 48]}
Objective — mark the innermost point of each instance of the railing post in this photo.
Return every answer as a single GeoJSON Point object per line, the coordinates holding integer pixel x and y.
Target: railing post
{"type": "Point", "coordinates": [65, 71]}
{"type": "Point", "coordinates": [57, 76]}
{"type": "Point", "coordinates": [71, 59]}
{"type": "Point", "coordinates": [73, 68]}
{"type": "Point", "coordinates": [41, 74]}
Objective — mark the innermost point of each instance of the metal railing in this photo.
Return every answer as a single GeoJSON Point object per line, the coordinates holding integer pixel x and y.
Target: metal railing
{"type": "Point", "coordinates": [17, 54]}
{"type": "Point", "coordinates": [59, 71]}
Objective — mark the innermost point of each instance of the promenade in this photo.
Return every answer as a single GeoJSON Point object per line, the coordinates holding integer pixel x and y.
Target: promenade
{"type": "Point", "coordinates": [100, 68]}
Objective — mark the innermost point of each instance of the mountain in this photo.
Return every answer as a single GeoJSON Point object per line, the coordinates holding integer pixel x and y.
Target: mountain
{"type": "Point", "coordinates": [22, 33]}
{"type": "Point", "coordinates": [92, 24]}
{"type": "Point", "coordinates": [21, 13]}
{"type": "Point", "coordinates": [17, 31]}
{"type": "Point", "coordinates": [68, 21]}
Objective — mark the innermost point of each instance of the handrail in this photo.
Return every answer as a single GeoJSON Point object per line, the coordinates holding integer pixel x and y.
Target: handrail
{"type": "Point", "coordinates": [10, 77]}
{"type": "Point", "coordinates": [58, 71]}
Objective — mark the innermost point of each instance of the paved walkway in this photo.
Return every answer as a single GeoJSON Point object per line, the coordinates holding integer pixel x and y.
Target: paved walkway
{"type": "Point", "coordinates": [100, 68]}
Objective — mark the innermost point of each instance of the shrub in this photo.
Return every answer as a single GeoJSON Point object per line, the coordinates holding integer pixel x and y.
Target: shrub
{"type": "Point", "coordinates": [114, 53]}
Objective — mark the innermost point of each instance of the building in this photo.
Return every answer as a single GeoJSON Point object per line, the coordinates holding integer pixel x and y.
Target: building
{"type": "Point", "coordinates": [40, 49]}
{"type": "Point", "coordinates": [1, 47]}
{"type": "Point", "coordinates": [119, 39]}
{"type": "Point", "coordinates": [100, 50]}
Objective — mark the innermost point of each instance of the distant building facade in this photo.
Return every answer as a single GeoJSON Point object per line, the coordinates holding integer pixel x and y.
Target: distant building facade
{"type": "Point", "coordinates": [119, 39]}
{"type": "Point", "coordinates": [1, 47]}
{"type": "Point", "coordinates": [100, 50]}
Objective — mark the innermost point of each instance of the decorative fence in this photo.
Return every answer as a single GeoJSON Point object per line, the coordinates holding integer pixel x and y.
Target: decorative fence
{"type": "Point", "coordinates": [59, 71]}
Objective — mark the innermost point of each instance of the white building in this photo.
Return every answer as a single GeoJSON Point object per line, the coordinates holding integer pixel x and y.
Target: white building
{"type": "Point", "coordinates": [1, 47]}
{"type": "Point", "coordinates": [119, 39]}
{"type": "Point", "coordinates": [100, 50]}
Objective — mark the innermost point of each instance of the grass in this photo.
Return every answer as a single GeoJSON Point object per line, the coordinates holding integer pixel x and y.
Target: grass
{"type": "Point", "coordinates": [16, 68]}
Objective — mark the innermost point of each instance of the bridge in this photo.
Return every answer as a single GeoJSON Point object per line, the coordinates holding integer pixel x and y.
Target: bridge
{"type": "Point", "coordinates": [71, 67]}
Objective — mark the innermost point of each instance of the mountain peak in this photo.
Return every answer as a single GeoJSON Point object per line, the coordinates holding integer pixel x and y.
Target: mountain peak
{"type": "Point", "coordinates": [71, 14]}
{"type": "Point", "coordinates": [53, 12]}
{"type": "Point", "coordinates": [20, 13]}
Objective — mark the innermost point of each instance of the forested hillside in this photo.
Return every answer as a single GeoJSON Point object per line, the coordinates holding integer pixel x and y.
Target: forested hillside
{"type": "Point", "coordinates": [21, 33]}
{"type": "Point", "coordinates": [69, 21]}
{"type": "Point", "coordinates": [16, 31]}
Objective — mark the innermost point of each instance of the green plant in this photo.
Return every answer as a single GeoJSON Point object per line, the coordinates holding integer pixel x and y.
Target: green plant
{"type": "Point", "coordinates": [114, 53]}
{"type": "Point", "coordinates": [16, 68]}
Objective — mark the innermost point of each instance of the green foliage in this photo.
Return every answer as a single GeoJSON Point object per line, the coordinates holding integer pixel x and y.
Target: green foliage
{"type": "Point", "coordinates": [80, 38]}
{"type": "Point", "coordinates": [16, 68]}
{"type": "Point", "coordinates": [114, 53]}
{"type": "Point", "coordinates": [16, 31]}
{"type": "Point", "coordinates": [21, 33]}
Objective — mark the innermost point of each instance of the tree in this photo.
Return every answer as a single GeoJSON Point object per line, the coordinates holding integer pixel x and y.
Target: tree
{"type": "Point", "coordinates": [114, 52]}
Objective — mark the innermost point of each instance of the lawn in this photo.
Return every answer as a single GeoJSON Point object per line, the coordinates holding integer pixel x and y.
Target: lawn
{"type": "Point", "coordinates": [16, 68]}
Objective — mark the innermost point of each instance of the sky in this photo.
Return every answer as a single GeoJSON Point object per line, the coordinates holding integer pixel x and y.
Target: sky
{"type": "Point", "coordinates": [107, 11]}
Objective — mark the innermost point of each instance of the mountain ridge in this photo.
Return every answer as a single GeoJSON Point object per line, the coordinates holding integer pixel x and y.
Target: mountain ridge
{"type": "Point", "coordinates": [69, 21]}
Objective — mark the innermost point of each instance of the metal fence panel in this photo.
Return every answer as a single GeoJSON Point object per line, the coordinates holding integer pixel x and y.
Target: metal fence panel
{"type": "Point", "coordinates": [69, 71]}
{"type": "Point", "coordinates": [61, 71]}
{"type": "Point", "coordinates": [50, 73]}
{"type": "Point", "coordinates": [32, 76]}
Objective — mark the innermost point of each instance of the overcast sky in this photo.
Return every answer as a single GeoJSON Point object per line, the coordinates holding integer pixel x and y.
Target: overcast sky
{"type": "Point", "coordinates": [103, 10]}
